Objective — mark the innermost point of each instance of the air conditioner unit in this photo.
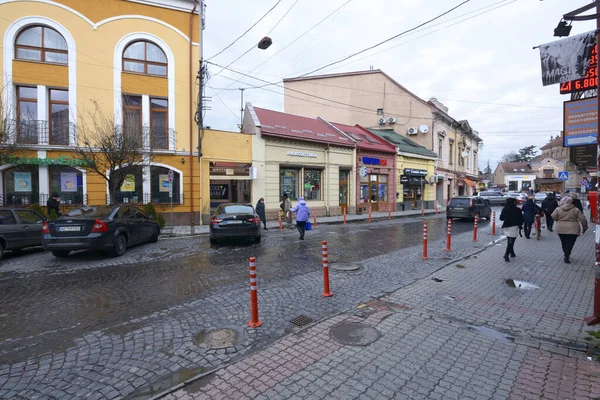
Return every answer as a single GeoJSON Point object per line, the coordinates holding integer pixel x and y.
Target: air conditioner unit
{"type": "Point", "coordinates": [413, 131]}
{"type": "Point", "coordinates": [392, 120]}
{"type": "Point", "coordinates": [381, 121]}
{"type": "Point", "coordinates": [432, 179]}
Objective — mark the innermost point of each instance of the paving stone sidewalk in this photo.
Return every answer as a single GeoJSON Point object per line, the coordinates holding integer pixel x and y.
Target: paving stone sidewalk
{"type": "Point", "coordinates": [532, 345]}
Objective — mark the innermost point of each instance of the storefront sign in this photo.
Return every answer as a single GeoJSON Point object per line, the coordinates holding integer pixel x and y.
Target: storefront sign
{"type": "Point", "coordinates": [22, 181]}
{"type": "Point", "coordinates": [520, 177]}
{"type": "Point", "coordinates": [417, 172]}
{"type": "Point", "coordinates": [229, 169]}
{"type": "Point", "coordinates": [219, 192]}
{"type": "Point", "coordinates": [584, 156]}
{"type": "Point", "coordinates": [301, 154]}
{"type": "Point", "coordinates": [374, 161]}
{"type": "Point", "coordinates": [62, 160]}
{"type": "Point", "coordinates": [68, 182]}
{"type": "Point", "coordinates": [128, 184]}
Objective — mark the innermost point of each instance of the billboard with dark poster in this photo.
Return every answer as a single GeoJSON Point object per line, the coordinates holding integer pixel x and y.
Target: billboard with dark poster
{"type": "Point", "coordinates": [584, 156]}
{"type": "Point", "coordinates": [567, 59]}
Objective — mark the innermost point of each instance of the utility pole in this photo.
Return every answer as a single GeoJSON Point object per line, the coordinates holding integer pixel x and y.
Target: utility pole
{"type": "Point", "coordinates": [199, 117]}
{"type": "Point", "coordinates": [241, 108]}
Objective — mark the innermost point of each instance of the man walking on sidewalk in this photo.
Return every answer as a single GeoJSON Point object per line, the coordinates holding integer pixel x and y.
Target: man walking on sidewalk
{"type": "Point", "coordinates": [549, 205]}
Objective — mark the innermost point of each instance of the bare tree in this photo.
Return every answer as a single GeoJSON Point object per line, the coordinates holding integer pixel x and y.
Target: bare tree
{"type": "Point", "coordinates": [111, 151]}
{"type": "Point", "coordinates": [510, 157]}
{"type": "Point", "coordinates": [8, 132]}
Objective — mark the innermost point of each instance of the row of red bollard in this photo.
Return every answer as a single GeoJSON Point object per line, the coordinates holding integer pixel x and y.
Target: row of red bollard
{"type": "Point", "coordinates": [254, 321]}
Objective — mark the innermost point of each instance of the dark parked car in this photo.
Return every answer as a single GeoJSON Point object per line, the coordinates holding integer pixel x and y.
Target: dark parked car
{"type": "Point", "coordinates": [107, 228]}
{"type": "Point", "coordinates": [19, 228]}
{"type": "Point", "coordinates": [495, 198]}
{"type": "Point", "coordinates": [232, 220]}
{"type": "Point", "coordinates": [469, 207]}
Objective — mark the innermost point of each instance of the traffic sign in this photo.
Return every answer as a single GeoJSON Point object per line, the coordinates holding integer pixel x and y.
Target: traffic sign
{"type": "Point", "coordinates": [563, 176]}
{"type": "Point", "coordinates": [583, 182]}
{"type": "Point", "coordinates": [171, 176]}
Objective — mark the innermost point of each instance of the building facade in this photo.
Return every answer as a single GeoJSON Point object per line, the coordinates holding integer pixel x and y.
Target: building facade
{"type": "Point", "coordinates": [515, 176]}
{"type": "Point", "coordinates": [135, 61]}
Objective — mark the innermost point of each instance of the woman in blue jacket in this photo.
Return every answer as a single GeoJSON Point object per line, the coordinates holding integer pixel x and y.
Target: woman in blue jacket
{"type": "Point", "coordinates": [302, 215]}
{"type": "Point", "coordinates": [530, 210]}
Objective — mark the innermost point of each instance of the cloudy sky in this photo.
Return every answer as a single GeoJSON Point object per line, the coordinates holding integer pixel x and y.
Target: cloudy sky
{"type": "Point", "coordinates": [477, 60]}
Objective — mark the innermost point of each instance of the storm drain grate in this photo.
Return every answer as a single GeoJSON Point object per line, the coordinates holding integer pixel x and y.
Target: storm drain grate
{"type": "Point", "coordinates": [301, 320]}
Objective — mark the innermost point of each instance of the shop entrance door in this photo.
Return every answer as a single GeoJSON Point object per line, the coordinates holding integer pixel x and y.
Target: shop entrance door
{"type": "Point", "coordinates": [373, 199]}
{"type": "Point", "coordinates": [344, 191]}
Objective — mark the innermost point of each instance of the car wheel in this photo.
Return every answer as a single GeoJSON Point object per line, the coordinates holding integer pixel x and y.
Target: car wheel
{"type": "Point", "coordinates": [155, 234]}
{"type": "Point", "coordinates": [1, 251]}
{"type": "Point", "coordinates": [257, 239]}
{"type": "Point", "coordinates": [61, 253]}
{"type": "Point", "coordinates": [119, 246]}
{"type": "Point", "coordinates": [212, 240]}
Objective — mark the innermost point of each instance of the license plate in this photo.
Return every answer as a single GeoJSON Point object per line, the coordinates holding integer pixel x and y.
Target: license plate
{"type": "Point", "coordinates": [458, 208]}
{"type": "Point", "coordinates": [69, 228]}
{"type": "Point", "coordinates": [234, 222]}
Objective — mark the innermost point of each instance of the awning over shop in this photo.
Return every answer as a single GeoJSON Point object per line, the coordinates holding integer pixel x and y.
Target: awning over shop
{"type": "Point", "coordinates": [469, 182]}
{"type": "Point", "coordinates": [547, 181]}
{"type": "Point", "coordinates": [413, 180]}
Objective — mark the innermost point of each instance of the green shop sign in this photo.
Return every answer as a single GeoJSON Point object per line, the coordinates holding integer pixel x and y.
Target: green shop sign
{"type": "Point", "coordinates": [62, 160]}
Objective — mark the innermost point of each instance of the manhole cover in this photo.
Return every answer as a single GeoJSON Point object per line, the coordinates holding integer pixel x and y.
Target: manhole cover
{"type": "Point", "coordinates": [354, 333]}
{"type": "Point", "coordinates": [217, 338]}
{"type": "Point", "coordinates": [301, 320]}
{"type": "Point", "coordinates": [344, 266]}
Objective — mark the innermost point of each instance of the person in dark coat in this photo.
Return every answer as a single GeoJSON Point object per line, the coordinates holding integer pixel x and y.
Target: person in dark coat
{"type": "Point", "coordinates": [53, 204]}
{"type": "Point", "coordinates": [549, 205]}
{"type": "Point", "coordinates": [260, 210]}
{"type": "Point", "coordinates": [513, 222]}
{"type": "Point", "coordinates": [530, 210]}
{"type": "Point", "coordinates": [576, 201]}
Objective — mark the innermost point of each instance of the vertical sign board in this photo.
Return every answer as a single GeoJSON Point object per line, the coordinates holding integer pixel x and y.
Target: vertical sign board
{"type": "Point", "coordinates": [580, 119]}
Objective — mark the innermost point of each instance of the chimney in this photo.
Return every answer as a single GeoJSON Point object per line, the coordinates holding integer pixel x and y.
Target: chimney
{"type": "Point", "coordinates": [438, 104]}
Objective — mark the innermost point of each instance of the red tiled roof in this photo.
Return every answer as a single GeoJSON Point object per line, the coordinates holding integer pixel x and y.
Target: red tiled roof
{"type": "Point", "coordinates": [292, 126]}
{"type": "Point", "coordinates": [556, 142]}
{"type": "Point", "coordinates": [365, 140]}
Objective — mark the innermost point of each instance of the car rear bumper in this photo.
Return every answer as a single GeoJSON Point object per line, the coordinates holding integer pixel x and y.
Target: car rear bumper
{"type": "Point", "coordinates": [94, 241]}
{"type": "Point", "coordinates": [459, 214]}
{"type": "Point", "coordinates": [253, 231]}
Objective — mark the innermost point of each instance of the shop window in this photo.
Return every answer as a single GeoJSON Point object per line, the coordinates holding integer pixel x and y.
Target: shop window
{"type": "Point", "coordinates": [59, 117]}
{"type": "Point", "coordinates": [513, 186]}
{"type": "Point", "coordinates": [382, 192]}
{"type": "Point", "coordinates": [43, 44]}
{"type": "Point", "coordinates": [549, 173]}
{"type": "Point", "coordinates": [159, 125]}
{"type": "Point", "coordinates": [27, 115]}
{"type": "Point", "coordinates": [440, 147]}
{"type": "Point", "coordinates": [132, 188]}
{"type": "Point", "coordinates": [312, 184]}
{"type": "Point", "coordinates": [288, 183]}
{"type": "Point", "coordinates": [145, 58]}
{"type": "Point", "coordinates": [159, 185]}
{"type": "Point", "coordinates": [21, 185]}
{"type": "Point", "coordinates": [132, 117]}
{"type": "Point", "coordinates": [67, 182]}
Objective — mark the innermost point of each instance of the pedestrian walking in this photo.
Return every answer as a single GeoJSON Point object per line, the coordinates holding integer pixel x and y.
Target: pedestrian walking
{"type": "Point", "coordinates": [576, 201]}
{"type": "Point", "coordinates": [511, 228]}
{"type": "Point", "coordinates": [302, 215]}
{"type": "Point", "coordinates": [287, 206]}
{"type": "Point", "coordinates": [530, 210]}
{"type": "Point", "coordinates": [260, 210]}
{"type": "Point", "coordinates": [568, 219]}
{"type": "Point", "coordinates": [53, 204]}
{"type": "Point", "coordinates": [549, 205]}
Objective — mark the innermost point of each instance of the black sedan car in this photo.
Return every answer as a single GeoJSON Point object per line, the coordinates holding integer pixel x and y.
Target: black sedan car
{"type": "Point", "coordinates": [232, 220]}
{"type": "Point", "coordinates": [106, 228]}
{"type": "Point", "coordinates": [19, 228]}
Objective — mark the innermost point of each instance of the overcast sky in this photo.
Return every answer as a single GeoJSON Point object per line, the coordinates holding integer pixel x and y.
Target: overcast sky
{"type": "Point", "coordinates": [467, 59]}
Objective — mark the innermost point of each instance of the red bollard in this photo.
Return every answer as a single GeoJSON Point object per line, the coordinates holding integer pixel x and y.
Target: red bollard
{"type": "Point", "coordinates": [422, 210]}
{"type": "Point", "coordinates": [254, 321]}
{"type": "Point", "coordinates": [436, 207]}
{"type": "Point", "coordinates": [326, 291]}
{"type": "Point", "coordinates": [449, 238]}
{"type": "Point", "coordinates": [369, 214]}
{"type": "Point", "coordinates": [595, 319]}
{"type": "Point", "coordinates": [315, 221]}
{"type": "Point", "coordinates": [475, 228]}
{"type": "Point", "coordinates": [494, 223]}
{"type": "Point", "coordinates": [389, 212]}
{"type": "Point", "coordinates": [344, 216]}
{"type": "Point", "coordinates": [425, 241]}
{"type": "Point", "coordinates": [280, 224]}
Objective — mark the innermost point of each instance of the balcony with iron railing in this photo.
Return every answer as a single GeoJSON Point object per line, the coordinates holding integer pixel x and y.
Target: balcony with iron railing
{"type": "Point", "coordinates": [149, 139]}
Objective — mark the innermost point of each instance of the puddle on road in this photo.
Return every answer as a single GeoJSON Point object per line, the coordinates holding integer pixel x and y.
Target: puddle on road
{"type": "Point", "coordinates": [492, 334]}
{"type": "Point", "coordinates": [165, 383]}
{"type": "Point", "coordinates": [521, 285]}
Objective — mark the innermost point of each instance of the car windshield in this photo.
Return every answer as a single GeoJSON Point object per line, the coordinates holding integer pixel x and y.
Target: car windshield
{"type": "Point", "coordinates": [460, 202]}
{"type": "Point", "coordinates": [96, 212]}
{"type": "Point", "coordinates": [237, 209]}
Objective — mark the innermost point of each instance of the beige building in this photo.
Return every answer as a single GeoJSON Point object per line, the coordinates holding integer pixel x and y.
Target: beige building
{"type": "Point", "coordinates": [556, 158]}
{"type": "Point", "coordinates": [371, 99]}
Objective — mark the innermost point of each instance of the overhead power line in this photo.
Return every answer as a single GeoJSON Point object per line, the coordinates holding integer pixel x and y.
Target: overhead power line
{"type": "Point", "coordinates": [247, 30]}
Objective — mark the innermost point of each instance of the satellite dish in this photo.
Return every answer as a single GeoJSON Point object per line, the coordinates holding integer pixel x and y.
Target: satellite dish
{"type": "Point", "coordinates": [423, 128]}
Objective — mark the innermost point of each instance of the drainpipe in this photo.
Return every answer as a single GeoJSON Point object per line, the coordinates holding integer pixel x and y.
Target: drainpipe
{"type": "Point", "coordinates": [191, 119]}
{"type": "Point", "coordinates": [327, 172]}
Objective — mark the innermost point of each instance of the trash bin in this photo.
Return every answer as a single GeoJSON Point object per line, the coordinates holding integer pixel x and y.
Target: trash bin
{"type": "Point", "coordinates": [593, 199]}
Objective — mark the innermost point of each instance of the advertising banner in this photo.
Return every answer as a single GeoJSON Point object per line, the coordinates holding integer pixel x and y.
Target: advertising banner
{"type": "Point", "coordinates": [22, 181]}
{"type": "Point", "coordinates": [163, 183]}
{"type": "Point", "coordinates": [68, 182]}
{"type": "Point", "coordinates": [128, 184]}
{"type": "Point", "coordinates": [567, 59]}
{"type": "Point", "coordinates": [580, 121]}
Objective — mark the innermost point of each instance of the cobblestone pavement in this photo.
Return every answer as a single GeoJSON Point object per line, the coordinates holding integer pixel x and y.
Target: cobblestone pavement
{"type": "Point", "coordinates": [96, 327]}
{"type": "Point", "coordinates": [461, 332]}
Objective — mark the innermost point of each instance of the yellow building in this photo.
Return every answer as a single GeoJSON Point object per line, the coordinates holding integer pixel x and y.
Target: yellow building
{"type": "Point", "coordinates": [137, 60]}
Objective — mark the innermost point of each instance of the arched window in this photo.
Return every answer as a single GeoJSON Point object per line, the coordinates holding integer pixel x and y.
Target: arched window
{"type": "Point", "coordinates": [40, 43]}
{"type": "Point", "coordinates": [145, 58]}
